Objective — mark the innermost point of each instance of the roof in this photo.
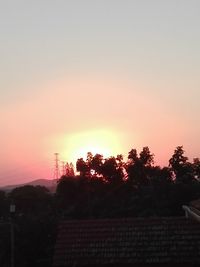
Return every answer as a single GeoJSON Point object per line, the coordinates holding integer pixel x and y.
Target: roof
{"type": "Point", "coordinates": [127, 241]}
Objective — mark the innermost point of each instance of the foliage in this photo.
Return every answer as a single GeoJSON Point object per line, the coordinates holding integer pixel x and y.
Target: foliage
{"type": "Point", "coordinates": [179, 164]}
{"type": "Point", "coordinates": [106, 188]}
{"type": "Point", "coordinates": [30, 199]}
{"type": "Point", "coordinates": [139, 167]}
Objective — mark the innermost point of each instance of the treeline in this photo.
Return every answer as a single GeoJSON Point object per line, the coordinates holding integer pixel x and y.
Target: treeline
{"type": "Point", "coordinates": [105, 188]}
{"type": "Point", "coordinates": [139, 170]}
{"type": "Point", "coordinates": [112, 187]}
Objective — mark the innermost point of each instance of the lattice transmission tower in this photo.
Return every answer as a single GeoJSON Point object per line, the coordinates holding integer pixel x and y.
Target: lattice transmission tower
{"type": "Point", "coordinates": [56, 175]}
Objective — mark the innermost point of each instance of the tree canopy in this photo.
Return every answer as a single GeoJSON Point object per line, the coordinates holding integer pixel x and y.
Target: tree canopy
{"type": "Point", "coordinates": [103, 188]}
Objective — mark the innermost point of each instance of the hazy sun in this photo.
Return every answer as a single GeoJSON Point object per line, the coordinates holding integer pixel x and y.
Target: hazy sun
{"type": "Point", "coordinates": [77, 145]}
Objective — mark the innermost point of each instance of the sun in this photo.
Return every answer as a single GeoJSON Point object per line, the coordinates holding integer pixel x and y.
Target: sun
{"type": "Point", "coordinates": [105, 142]}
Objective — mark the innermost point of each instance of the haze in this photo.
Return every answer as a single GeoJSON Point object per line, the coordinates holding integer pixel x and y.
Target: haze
{"type": "Point", "coordinates": [127, 68]}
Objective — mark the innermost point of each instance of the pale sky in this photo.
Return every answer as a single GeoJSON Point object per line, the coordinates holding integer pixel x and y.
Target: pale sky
{"type": "Point", "coordinates": [121, 74]}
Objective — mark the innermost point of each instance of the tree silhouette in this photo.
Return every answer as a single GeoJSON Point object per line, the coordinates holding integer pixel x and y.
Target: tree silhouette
{"type": "Point", "coordinates": [97, 163]}
{"type": "Point", "coordinates": [138, 167]}
{"type": "Point", "coordinates": [112, 170]}
{"type": "Point", "coordinates": [106, 188]}
{"type": "Point", "coordinates": [30, 199]}
{"type": "Point", "coordinates": [82, 167]}
{"type": "Point", "coordinates": [146, 158]}
{"type": "Point", "coordinates": [69, 169]}
{"type": "Point", "coordinates": [179, 164]}
{"type": "Point", "coordinates": [196, 168]}
{"type": "Point", "coordinates": [3, 203]}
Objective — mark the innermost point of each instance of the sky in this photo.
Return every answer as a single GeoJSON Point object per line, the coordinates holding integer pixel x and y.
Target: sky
{"type": "Point", "coordinates": [99, 75]}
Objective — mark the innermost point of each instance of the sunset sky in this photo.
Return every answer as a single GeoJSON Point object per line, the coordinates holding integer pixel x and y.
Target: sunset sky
{"type": "Point", "coordinates": [107, 75]}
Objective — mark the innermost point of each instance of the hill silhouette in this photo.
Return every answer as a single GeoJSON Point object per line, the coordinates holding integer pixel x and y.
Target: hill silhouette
{"type": "Point", "coordinates": [48, 183]}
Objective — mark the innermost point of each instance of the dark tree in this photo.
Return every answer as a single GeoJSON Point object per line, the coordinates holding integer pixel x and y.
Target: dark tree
{"type": "Point", "coordinates": [82, 167]}
{"type": "Point", "coordinates": [146, 158]}
{"type": "Point", "coordinates": [3, 204]}
{"type": "Point", "coordinates": [69, 169]}
{"type": "Point", "coordinates": [30, 199]}
{"type": "Point", "coordinates": [138, 167]}
{"type": "Point", "coordinates": [97, 163]}
{"type": "Point", "coordinates": [112, 170]}
{"type": "Point", "coordinates": [67, 192]}
{"type": "Point", "coordinates": [179, 164]}
{"type": "Point", "coordinates": [196, 168]}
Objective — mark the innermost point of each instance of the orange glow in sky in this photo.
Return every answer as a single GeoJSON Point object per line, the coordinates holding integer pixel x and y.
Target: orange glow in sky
{"type": "Point", "coordinates": [102, 141]}
{"type": "Point", "coordinates": [94, 78]}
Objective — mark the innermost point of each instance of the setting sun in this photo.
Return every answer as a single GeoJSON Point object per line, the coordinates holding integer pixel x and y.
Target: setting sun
{"type": "Point", "coordinates": [77, 145]}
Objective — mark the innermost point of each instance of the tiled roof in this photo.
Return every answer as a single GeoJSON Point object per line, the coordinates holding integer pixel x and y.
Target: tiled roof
{"type": "Point", "coordinates": [127, 241]}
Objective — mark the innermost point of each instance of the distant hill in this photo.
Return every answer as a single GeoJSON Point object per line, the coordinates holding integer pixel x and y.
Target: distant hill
{"type": "Point", "coordinates": [49, 184]}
